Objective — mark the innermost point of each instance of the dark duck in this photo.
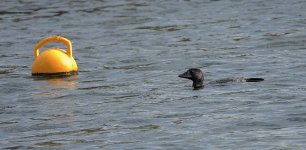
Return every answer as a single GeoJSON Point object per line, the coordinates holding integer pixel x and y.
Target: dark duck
{"type": "Point", "coordinates": [197, 77]}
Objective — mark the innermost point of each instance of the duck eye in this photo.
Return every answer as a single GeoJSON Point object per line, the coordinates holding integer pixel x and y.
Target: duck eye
{"type": "Point", "coordinates": [192, 71]}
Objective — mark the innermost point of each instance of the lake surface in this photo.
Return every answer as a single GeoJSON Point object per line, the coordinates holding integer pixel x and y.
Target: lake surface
{"type": "Point", "coordinates": [129, 53]}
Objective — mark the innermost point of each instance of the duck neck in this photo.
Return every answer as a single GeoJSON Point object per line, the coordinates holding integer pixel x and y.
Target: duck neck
{"type": "Point", "coordinates": [197, 85]}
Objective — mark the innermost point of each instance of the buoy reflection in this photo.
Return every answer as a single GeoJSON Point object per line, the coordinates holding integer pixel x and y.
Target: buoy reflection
{"type": "Point", "coordinates": [59, 82]}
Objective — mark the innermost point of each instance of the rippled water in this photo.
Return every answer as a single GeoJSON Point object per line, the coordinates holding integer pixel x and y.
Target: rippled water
{"type": "Point", "coordinates": [127, 94]}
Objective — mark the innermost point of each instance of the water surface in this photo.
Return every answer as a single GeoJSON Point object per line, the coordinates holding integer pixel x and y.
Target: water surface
{"type": "Point", "coordinates": [127, 94]}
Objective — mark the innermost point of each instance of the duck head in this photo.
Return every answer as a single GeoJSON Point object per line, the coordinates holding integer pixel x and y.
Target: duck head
{"type": "Point", "coordinates": [196, 75]}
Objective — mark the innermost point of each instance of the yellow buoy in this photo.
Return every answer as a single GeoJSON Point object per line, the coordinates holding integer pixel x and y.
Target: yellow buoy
{"type": "Point", "coordinates": [54, 61]}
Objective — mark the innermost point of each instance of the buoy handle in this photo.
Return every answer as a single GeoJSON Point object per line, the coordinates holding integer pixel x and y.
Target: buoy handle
{"type": "Point", "coordinates": [54, 38]}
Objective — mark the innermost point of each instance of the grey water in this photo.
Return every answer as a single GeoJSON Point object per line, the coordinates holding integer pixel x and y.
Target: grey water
{"type": "Point", "coordinates": [127, 94]}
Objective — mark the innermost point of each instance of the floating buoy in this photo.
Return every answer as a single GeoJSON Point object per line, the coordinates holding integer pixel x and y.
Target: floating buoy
{"type": "Point", "coordinates": [54, 61]}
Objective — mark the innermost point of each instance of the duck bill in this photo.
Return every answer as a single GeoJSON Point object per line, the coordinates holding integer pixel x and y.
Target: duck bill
{"type": "Point", "coordinates": [185, 75]}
